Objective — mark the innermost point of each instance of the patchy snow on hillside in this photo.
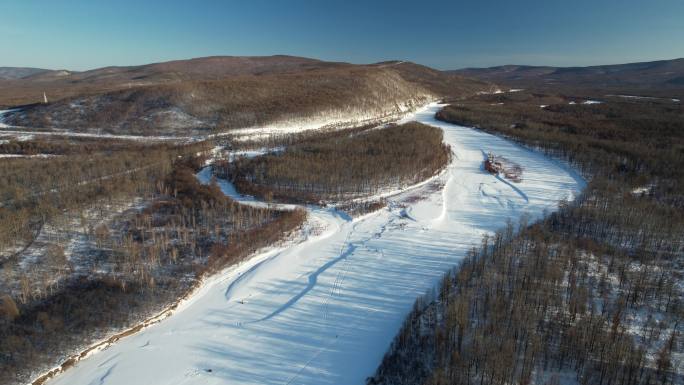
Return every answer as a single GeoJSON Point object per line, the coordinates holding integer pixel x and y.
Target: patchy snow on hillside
{"type": "Point", "coordinates": [634, 97]}
{"type": "Point", "coordinates": [493, 91]}
{"type": "Point", "coordinates": [2, 117]}
{"type": "Point", "coordinates": [642, 190]}
{"type": "Point", "coordinates": [330, 119]}
{"type": "Point", "coordinates": [324, 311]}
{"type": "Point", "coordinates": [28, 135]}
{"type": "Point", "coordinates": [28, 156]}
{"type": "Point", "coordinates": [174, 118]}
{"type": "Point", "coordinates": [637, 97]}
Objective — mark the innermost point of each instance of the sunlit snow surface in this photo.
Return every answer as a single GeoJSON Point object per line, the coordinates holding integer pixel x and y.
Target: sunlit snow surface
{"type": "Point", "coordinates": [324, 311]}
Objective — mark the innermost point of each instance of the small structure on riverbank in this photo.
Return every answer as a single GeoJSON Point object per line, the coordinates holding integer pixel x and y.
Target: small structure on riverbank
{"type": "Point", "coordinates": [499, 165]}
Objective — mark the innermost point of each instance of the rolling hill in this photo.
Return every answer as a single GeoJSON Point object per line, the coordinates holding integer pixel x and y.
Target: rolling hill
{"type": "Point", "coordinates": [212, 94]}
{"type": "Point", "coordinates": [8, 73]}
{"type": "Point", "coordinates": [664, 77]}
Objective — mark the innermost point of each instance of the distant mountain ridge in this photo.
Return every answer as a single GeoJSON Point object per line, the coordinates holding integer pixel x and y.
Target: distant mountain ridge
{"type": "Point", "coordinates": [7, 73]}
{"type": "Point", "coordinates": [660, 74]}
{"type": "Point", "coordinates": [205, 68]}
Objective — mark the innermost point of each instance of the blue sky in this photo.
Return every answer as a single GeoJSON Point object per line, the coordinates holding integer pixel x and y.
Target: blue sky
{"type": "Point", "coordinates": [78, 35]}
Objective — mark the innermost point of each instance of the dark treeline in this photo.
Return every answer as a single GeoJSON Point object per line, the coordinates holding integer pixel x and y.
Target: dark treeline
{"type": "Point", "coordinates": [342, 167]}
{"type": "Point", "coordinates": [591, 294]}
{"type": "Point", "coordinates": [123, 268]}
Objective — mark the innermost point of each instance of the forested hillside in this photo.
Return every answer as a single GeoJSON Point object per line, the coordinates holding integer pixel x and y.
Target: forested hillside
{"type": "Point", "coordinates": [592, 294]}
{"type": "Point", "coordinates": [217, 94]}
{"type": "Point", "coordinates": [321, 97]}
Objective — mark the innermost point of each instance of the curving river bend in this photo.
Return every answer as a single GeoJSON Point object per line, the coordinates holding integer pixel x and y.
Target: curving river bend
{"type": "Point", "coordinates": [324, 310]}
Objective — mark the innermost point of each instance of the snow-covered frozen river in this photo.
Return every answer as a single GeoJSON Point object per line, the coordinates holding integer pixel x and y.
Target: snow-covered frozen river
{"type": "Point", "coordinates": [324, 311]}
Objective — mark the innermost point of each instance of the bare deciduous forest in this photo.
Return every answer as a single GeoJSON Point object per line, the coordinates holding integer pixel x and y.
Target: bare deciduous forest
{"type": "Point", "coordinates": [341, 167]}
{"type": "Point", "coordinates": [216, 94]}
{"type": "Point", "coordinates": [592, 294]}
{"type": "Point", "coordinates": [105, 233]}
